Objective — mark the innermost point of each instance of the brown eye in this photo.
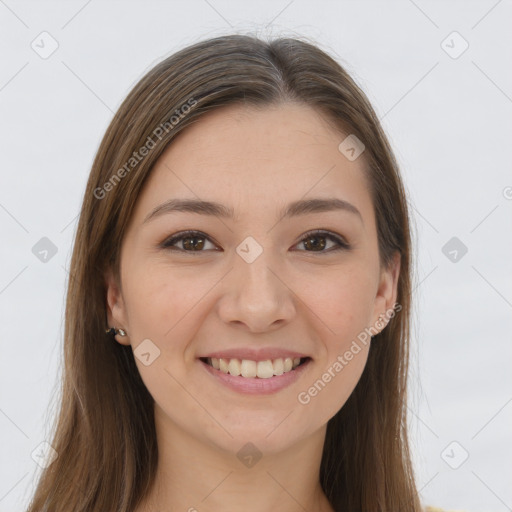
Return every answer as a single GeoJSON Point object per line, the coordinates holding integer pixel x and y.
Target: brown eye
{"type": "Point", "coordinates": [192, 241]}
{"type": "Point", "coordinates": [315, 241]}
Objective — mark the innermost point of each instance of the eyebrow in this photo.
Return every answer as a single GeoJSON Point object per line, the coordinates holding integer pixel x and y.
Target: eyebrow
{"type": "Point", "coordinates": [294, 209]}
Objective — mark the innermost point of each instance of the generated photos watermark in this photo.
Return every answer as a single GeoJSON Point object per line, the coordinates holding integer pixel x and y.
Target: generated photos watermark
{"type": "Point", "coordinates": [304, 397]}
{"type": "Point", "coordinates": [137, 156]}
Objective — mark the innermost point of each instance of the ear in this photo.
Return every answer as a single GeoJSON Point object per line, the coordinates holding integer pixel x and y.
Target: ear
{"type": "Point", "coordinates": [116, 311]}
{"type": "Point", "coordinates": [386, 293]}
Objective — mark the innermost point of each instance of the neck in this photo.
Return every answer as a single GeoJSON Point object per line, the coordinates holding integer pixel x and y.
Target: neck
{"type": "Point", "coordinates": [195, 476]}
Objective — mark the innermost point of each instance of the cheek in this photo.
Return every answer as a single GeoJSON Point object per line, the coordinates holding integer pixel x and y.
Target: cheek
{"type": "Point", "coordinates": [344, 303]}
{"type": "Point", "coordinates": [334, 383]}
{"type": "Point", "coordinates": [341, 298]}
{"type": "Point", "coordinates": [160, 301]}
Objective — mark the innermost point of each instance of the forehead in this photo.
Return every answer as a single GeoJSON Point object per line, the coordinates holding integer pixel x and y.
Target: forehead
{"type": "Point", "coordinates": [255, 159]}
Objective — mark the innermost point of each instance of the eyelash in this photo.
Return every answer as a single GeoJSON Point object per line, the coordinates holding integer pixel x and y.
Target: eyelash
{"type": "Point", "coordinates": [342, 245]}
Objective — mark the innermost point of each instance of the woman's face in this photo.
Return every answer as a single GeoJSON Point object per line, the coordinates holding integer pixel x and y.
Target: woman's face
{"type": "Point", "coordinates": [255, 286]}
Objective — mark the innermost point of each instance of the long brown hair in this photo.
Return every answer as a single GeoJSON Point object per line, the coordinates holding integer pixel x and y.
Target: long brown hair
{"type": "Point", "coordinates": [104, 433]}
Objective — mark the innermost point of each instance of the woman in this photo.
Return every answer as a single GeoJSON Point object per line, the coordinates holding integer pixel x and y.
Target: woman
{"type": "Point", "coordinates": [237, 318]}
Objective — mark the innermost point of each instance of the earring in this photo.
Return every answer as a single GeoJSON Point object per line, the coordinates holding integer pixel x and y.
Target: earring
{"type": "Point", "coordinates": [113, 331]}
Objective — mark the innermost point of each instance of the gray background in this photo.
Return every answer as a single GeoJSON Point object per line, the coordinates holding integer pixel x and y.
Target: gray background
{"type": "Point", "coordinates": [448, 117]}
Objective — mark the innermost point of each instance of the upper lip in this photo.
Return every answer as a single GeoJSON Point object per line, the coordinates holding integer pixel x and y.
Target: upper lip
{"type": "Point", "coordinates": [254, 354]}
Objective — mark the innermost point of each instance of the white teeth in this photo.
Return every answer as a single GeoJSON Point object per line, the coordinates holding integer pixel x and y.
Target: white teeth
{"type": "Point", "coordinates": [234, 367]}
{"type": "Point", "coordinates": [265, 369]}
{"type": "Point", "coordinates": [223, 365]}
{"type": "Point", "coordinates": [248, 368]}
{"type": "Point", "coordinates": [251, 369]}
{"type": "Point", "coordinates": [278, 366]}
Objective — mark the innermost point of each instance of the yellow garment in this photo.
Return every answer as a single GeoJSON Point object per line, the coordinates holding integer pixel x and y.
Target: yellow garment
{"type": "Point", "coordinates": [436, 509]}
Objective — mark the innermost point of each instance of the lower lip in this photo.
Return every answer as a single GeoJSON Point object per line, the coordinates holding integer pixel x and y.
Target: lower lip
{"type": "Point", "coordinates": [255, 385]}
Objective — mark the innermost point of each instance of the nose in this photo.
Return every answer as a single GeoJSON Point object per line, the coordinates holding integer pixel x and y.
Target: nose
{"type": "Point", "coordinates": [256, 295]}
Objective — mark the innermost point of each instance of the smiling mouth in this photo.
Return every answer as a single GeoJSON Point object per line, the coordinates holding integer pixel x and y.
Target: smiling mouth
{"type": "Point", "coordinates": [255, 369]}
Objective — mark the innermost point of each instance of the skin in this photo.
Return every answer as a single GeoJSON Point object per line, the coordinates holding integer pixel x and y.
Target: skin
{"type": "Point", "coordinates": [255, 161]}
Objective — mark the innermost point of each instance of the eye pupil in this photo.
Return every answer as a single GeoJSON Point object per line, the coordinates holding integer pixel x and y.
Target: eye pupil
{"type": "Point", "coordinates": [315, 245]}
{"type": "Point", "coordinates": [188, 245]}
